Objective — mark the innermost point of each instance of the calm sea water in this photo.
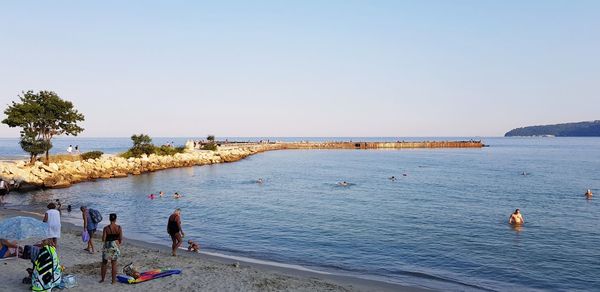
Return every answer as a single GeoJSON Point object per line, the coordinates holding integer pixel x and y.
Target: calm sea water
{"type": "Point", "coordinates": [443, 225]}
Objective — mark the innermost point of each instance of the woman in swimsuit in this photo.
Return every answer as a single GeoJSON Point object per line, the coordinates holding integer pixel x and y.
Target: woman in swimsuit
{"type": "Point", "coordinates": [175, 231]}
{"type": "Point", "coordinates": [112, 237]}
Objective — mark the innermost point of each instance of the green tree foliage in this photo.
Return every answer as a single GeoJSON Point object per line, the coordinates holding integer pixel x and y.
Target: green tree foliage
{"type": "Point", "coordinates": [211, 138]}
{"type": "Point", "coordinates": [42, 116]}
{"type": "Point", "coordinates": [34, 146]}
{"type": "Point", "coordinates": [142, 144]}
{"type": "Point", "coordinates": [91, 155]}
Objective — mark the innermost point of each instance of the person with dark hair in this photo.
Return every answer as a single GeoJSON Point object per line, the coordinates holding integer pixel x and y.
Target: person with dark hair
{"type": "Point", "coordinates": [516, 218]}
{"type": "Point", "coordinates": [175, 231]}
{"type": "Point", "coordinates": [3, 190]}
{"type": "Point", "coordinates": [588, 194]}
{"type": "Point", "coordinates": [90, 227]}
{"type": "Point", "coordinates": [112, 236]}
{"type": "Point", "coordinates": [58, 206]}
{"type": "Point", "coordinates": [52, 217]}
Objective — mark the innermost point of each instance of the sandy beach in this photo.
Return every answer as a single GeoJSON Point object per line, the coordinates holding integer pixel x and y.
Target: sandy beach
{"type": "Point", "coordinates": [200, 272]}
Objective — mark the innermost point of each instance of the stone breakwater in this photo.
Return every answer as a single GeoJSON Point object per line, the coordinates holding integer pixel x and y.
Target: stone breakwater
{"type": "Point", "coordinates": [66, 173]}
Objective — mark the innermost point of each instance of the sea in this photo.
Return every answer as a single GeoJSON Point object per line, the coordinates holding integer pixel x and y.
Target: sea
{"type": "Point", "coordinates": [441, 224]}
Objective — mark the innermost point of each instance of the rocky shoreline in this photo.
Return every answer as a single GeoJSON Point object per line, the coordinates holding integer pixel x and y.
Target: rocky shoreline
{"type": "Point", "coordinates": [66, 173]}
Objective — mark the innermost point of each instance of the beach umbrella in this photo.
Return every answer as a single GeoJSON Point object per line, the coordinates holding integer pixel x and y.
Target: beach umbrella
{"type": "Point", "coordinates": [21, 228]}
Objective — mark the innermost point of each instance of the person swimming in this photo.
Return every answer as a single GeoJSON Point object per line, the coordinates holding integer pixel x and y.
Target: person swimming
{"type": "Point", "coordinates": [588, 194]}
{"type": "Point", "coordinates": [404, 174]}
{"type": "Point", "coordinates": [259, 181]}
{"type": "Point", "coordinates": [524, 173]}
{"type": "Point", "coordinates": [161, 194]}
{"type": "Point", "coordinates": [516, 218]}
{"type": "Point", "coordinates": [392, 178]}
{"type": "Point", "coordinates": [176, 195]}
{"type": "Point", "coordinates": [151, 196]}
{"type": "Point", "coordinates": [344, 183]}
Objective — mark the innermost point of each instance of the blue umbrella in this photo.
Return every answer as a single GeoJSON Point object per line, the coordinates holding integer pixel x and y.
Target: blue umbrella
{"type": "Point", "coordinates": [21, 228]}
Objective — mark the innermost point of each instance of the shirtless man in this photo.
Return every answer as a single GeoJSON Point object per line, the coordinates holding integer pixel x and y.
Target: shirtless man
{"type": "Point", "coordinates": [516, 218]}
{"type": "Point", "coordinates": [588, 194]}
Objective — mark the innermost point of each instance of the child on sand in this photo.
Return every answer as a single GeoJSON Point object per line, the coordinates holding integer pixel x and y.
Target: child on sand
{"type": "Point", "coordinates": [193, 246]}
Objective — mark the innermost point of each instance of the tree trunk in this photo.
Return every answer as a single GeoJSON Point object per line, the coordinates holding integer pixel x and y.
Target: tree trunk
{"type": "Point", "coordinates": [32, 159]}
{"type": "Point", "coordinates": [47, 157]}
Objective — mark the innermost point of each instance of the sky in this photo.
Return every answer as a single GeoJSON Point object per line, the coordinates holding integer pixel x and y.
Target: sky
{"type": "Point", "coordinates": [306, 68]}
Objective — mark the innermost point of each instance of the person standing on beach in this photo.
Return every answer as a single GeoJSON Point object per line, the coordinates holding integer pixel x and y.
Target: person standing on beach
{"type": "Point", "coordinates": [58, 206]}
{"type": "Point", "coordinates": [70, 149]}
{"type": "Point", "coordinates": [52, 217]}
{"type": "Point", "coordinates": [90, 227]}
{"type": "Point", "coordinates": [516, 218]}
{"type": "Point", "coordinates": [3, 191]}
{"type": "Point", "coordinates": [175, 231]}
{"type": "Point", "coordinates": [112, 237]}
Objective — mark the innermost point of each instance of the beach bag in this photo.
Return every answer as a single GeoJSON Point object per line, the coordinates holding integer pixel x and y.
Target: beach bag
{"type": "Point", "coordinates": [46, 270]}
{"type": "Point", "coordinates": [95, 216]}
{"type": "Point", "coordinates": [85, 236]}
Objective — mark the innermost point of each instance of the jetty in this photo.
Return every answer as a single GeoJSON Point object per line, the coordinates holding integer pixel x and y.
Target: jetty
{"type": "Point", "coordinates": [360, 145]}
{"type": "Point", "coordinates": [65, 173]}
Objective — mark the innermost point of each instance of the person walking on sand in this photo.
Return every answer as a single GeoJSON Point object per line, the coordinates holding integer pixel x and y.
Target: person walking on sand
{"type": "Point", "coordinates": [175, 231]}
{"type": "Point", "coordinates": [112, 237]}
{"type": "Point", "coordinates": [516, 218]}
{"type": "Point", "coordinates": [52, 217]}
{"type": "Point", "coordinates": [90, 227]}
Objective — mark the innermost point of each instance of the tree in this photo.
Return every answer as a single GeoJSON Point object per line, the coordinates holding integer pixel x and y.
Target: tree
{"type": "Point", "coordinates": [142, 144]}
{"type": "Point", "coordinates": [30, 143]}
{"type": "Point", "coordinates": [211, 138]}
{"type": "Point", "coordinates": [42, 116]}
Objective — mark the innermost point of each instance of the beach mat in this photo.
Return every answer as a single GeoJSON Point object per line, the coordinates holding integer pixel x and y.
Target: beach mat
{"type": "Point", "coordinates": [147, 276]}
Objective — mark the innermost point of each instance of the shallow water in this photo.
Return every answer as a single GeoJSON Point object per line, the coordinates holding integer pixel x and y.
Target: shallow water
{"type": "Point", "coordinates": [443, 225]}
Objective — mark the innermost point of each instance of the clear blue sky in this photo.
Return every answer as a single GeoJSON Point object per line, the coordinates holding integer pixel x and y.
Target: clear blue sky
{"type": "Point", "coordinates": [306, 68]}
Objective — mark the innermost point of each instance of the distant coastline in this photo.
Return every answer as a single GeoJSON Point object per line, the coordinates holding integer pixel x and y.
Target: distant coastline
{"type": "Point", "coordinates": [579, 129]}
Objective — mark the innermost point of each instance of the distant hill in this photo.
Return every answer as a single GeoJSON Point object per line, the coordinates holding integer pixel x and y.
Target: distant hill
{"type": "Point", "coordinates": [581, 129]}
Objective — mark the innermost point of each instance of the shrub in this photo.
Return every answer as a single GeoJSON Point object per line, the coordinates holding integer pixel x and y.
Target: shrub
{"type": "Point", "coordinates": [210, 146]}
{"type": "Point", "coordinates": [166, 150]}
{"type": "Point", "coordinates": [91, 155]}
{"type": "Point", "coordinates": [142, 144]}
